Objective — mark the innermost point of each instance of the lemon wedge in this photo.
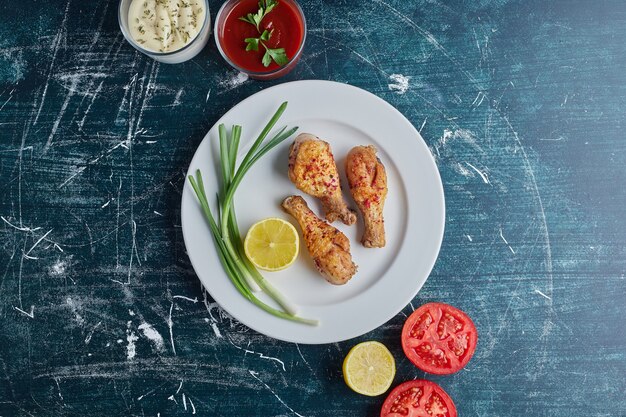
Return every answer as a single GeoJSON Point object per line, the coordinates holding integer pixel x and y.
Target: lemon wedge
{"type": "Point", "coordinates": [369, 368]}
{"type": "Point", "coordinates": [272, 244]}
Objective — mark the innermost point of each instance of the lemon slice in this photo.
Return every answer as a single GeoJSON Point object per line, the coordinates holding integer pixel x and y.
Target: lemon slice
{"type": "Point", "coordinates": [272, 244]}
{"type": "Point", "coordinates": [369, 368]}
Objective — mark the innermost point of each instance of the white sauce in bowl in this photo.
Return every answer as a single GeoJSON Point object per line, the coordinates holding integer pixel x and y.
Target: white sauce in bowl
{"type": "Point", "coordinates": [165, 25]}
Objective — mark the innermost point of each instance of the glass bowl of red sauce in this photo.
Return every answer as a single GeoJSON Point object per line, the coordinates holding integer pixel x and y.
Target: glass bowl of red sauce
{"type": "Point", "coordinates": [286, 23]}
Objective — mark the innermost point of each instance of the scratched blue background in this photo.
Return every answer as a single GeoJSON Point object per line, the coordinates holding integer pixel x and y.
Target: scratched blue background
{"type": "Point", "coordinates": [523, 104]}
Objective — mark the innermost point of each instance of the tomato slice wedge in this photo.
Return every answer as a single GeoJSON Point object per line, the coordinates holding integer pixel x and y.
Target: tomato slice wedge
{"type": "Point", "coordinates": [439, 339]}
{"type": "Point", "coordinates": [418, 398]}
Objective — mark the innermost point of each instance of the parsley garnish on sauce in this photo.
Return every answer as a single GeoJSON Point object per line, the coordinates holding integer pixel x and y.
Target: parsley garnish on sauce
{"type": "Point", "coordinates": [277, 55]}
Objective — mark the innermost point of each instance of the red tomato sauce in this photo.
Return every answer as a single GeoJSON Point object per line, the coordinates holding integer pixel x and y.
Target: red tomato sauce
{"type": "Point", "coordinates": [284, 19]}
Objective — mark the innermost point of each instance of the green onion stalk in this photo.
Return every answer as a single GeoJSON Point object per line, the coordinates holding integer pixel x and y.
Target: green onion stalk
{"type": "Point", "coordinates": [243, 274]}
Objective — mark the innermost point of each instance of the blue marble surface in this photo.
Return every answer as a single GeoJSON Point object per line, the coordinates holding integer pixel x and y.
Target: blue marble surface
{"type": "Point", "coordinates": [523, 104]}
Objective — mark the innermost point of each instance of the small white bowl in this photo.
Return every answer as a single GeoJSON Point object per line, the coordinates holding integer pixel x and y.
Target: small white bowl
{"type": "Point", "coordinates": [183, 54]}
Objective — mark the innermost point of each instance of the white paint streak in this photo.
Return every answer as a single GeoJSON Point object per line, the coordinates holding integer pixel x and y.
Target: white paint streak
{"type": "Point", "coordinates": [20, 228]}
{"type": "Point", "coordinates": [93, 98]}
{"type": "Point", "coordinates": [209, 306]}
{"type": "Point", "coordinates": [142, 396]}
{"type": "Point", "coordinates": [399, 84]}
{"type": "Point", "coordinates": [506, 242]}
{"type": "Point", "coordinates": [193, 300]}
{"type": "Point", "coordinates": [153, 335]}
{"type": "Point", "coordinates": [25, 148]}
{"type": "Point", "coordinates": [216, 330]}
{"type": "Point", "coordinates": [71, 177]}
{"type": "Point", "coordinates": [75, 306]}
{"type": "Point", "coordinates": [254, 375]}
{"type": "Point", "coordinates": [127, 88]}
{"type": "Point", "coordinates": [59, 388]}
{"type": "Point", "coordinates": [543, 295]}
{"type": "Point", "coordinates": [479, 172]}
{"type": "Point", "coordinates": [38, 242]}
{"type": "Point", "coordinates": [560, 138]}
{"type": "Point", "coordinates": [213, 322]}
{"type": "Point", "coordinates": [147, 95]}
{"type": "Point", "coordinates": [7, 100]}
{"type": "Point", "coordinates": [464, 171]}
{"type": "Point", "coordinates": [90, 334]}
{"type": "Point", "coordinates": [531, 173]}
{"type": "Point", "coordinates": [31, 314]}
{"type": "Point", "coordinates": [423, 124]}
{"type": "Point", "coordinates": [131, 338]}
{"type": "Point", "coordinates": [79, 170]}
{"type": "Point", "coordinates": [19, 277]}
{"type": "Point", "coordinates": [481, 100]}
{"type": "Point", "coordinates": [58, 268]}
{"type": "Point", "coordinates": [261, 355]}
{"type": "Point", "coordinates": [56, 43]}
{"type": "Point", "coordinates": [170, 324]}
{"type": "Point", "coordinates": [177, 101]}
{"type": "Point", "coordinates": [478, 100]}
{"type": "Point", "coordinates": [369, 62]}
{"type": "Point", "coordinates": [233, 80]}
{"type": "Point", "coordinates": [304, 359]}
{"type": "Point", "coordinates": [447, 134]}
{"type": "Point", "coordinates": [430, 38]}
{"type": "Point", "coordinates": [462, 134]}
{"type": "Point", "coordinates": [75, 80]}
{"type": "Point", "coordinates": [56, 123]}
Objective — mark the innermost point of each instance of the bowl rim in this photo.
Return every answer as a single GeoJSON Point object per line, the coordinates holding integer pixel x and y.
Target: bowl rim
{"type": "Point", "coordinates": [216, 33]}
{"type": "Point", "coordinates": [129, 38]}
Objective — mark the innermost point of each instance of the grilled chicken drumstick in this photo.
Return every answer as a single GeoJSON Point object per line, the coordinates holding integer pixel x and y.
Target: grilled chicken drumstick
{"type": "Point", "coordinates": [329, 248]}
{"type": "Point", "coordinates": [368, 184]}
{"type": "Point", "coordinates": [313, 170]}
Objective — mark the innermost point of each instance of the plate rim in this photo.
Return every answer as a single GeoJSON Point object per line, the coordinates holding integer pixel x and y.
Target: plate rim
{"type": "Point", "coordinates": [439, 186]}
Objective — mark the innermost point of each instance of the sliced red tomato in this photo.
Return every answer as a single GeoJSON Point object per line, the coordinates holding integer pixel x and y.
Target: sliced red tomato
{"type": "Point", "coordinates": [419, 398]}
{"type": "Point", "coordinates": [439, 338]}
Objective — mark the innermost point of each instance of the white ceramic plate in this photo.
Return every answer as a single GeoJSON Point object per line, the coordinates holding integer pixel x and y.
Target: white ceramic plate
{"type": "Point", "coordinates": [387, 278]}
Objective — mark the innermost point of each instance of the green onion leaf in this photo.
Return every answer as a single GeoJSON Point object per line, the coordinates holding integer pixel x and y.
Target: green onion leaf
{"type": "Point", "coordinates": [244, 276]}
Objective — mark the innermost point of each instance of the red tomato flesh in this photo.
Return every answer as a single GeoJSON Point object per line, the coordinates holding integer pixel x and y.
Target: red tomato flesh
{"type": "Point", "coordinates": [439, 339]}
{"type": "Point", "coordinates": [288, 33]}
{"type": "Point", "coordinates": [419, 398]}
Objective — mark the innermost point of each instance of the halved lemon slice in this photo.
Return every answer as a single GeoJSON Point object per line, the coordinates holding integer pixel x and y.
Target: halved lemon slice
{"type": "Point", "coordinates": [369, 368]}
{"type": "Point", "coordinates": [272, 244]}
